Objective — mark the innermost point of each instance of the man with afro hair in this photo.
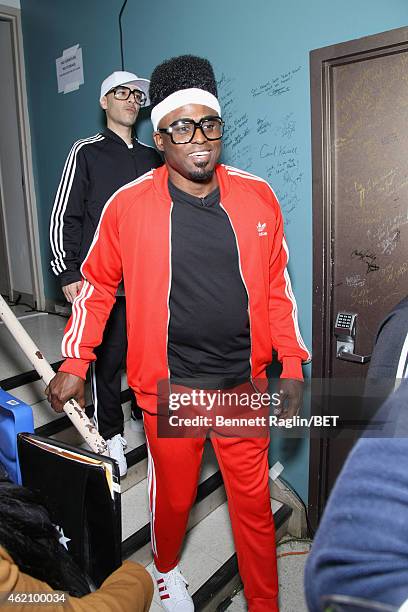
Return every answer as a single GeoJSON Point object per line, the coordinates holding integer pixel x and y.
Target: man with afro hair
{"type": "Point", "coordinates": [180, 73]}
{"type": "Point", "coordinates": [203, 256]}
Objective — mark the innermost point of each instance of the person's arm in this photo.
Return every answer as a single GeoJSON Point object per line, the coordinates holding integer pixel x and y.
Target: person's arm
{"type": "Point", "coordinates": [102, 272]}
{"type": "Point", "coordinates": [284, 327]}
{"type": "Point", "coordinates": [128, 589]}
{"type": "Point", "coordinates": [360, 547]}
{"type": "Point", "coordinates": [389, 359]}
{"type": "Point", "coordinates": [66, 221]}
{"type": "Point", "coordinates": [389, 356]}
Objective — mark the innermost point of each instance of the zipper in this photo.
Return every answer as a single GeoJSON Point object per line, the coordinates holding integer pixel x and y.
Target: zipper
{"type": "Point", "coordinates": [168, 300]}
{"type": "Point", "coordinates": [246, 289]}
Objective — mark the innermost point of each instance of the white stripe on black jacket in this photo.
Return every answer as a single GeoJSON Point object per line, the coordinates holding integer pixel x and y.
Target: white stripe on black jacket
{"type": "Point", "coordinates": [95, 168]}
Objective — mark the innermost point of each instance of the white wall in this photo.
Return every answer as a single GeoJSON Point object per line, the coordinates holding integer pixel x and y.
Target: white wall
{"type": "Point", "coordinates": [10, 161]}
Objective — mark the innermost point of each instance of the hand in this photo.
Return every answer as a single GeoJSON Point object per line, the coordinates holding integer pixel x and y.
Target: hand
{"type": "Point", "coordinates": [71, 291]}
{"type": "Point", "coordinates": [290, 397]}
{"type": "Point", "coordinates": [64, 387]}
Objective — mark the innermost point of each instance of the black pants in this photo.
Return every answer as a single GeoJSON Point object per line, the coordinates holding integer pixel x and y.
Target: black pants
{"type": "Point", "coordinates": [106, 373]}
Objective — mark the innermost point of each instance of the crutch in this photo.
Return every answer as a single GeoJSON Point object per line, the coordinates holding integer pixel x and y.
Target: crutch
{"type": "Point", "coordinates": [32, 352]}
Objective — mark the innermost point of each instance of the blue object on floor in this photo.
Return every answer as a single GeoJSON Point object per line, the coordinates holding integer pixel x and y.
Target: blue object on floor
{"type": "Point", "coordinates": [15, 417]}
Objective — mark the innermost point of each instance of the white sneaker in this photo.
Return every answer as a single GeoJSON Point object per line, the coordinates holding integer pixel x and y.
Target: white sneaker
{"type": "Point", "coordinates": [173, 592]}
{"type": "Point", "coordinates": [115, 451]}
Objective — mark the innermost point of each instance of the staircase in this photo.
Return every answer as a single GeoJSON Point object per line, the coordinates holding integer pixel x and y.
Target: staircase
{"type": "Point", "coordinates": [208, 560]}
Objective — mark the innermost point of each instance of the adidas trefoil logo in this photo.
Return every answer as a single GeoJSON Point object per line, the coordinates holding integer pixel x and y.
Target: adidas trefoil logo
{"type": "Point", "coordinates": [261, 229]}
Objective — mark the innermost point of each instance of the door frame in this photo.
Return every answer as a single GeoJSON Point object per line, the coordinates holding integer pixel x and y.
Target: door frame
{"type": "Point", "coordinates": [321, 61]}
{"type": "Point", "coordinates": [3, 235]}
{"type": "Point", "coordinates": [13, 17]}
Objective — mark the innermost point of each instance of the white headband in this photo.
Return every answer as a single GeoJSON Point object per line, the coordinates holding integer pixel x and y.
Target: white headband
{"type": "Point", "coordinates": [181, 98]}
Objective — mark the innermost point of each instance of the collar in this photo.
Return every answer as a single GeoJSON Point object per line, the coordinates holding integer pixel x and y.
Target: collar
{"type": "Point", "coordinates": [113, 136]}
{"type": "Point", "coordinates": [209, 201]}
{"type": "Point", "coordinates": [161, 177]}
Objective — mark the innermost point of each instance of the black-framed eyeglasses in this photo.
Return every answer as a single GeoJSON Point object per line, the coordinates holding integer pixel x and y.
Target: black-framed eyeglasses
{"type": "Point", "coordinates": [124, 93]}
{"type": "Point", "coordinates": [182, 131]}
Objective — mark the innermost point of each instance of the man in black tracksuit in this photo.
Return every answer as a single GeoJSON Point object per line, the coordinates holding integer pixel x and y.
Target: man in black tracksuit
{"type": "Point", "coordinates": [95, 169]}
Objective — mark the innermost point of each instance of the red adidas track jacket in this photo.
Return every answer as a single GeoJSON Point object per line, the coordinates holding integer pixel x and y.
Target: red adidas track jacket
{"type": "Point", "coordinates": [133, 240]}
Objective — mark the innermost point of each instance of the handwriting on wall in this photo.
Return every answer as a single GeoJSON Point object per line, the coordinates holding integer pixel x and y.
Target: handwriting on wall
{"type": "Point", "coordinates": [387, 234]}
{"type": "Point", "coordinates": [262, 139]}
{"type": "Point", "coordinates": [264, 136]}
{"type": "Point", "coordinates": [367, 258]}
{"type": "Point", "coordinates": [283, 164]}
{"type": "Point", "coordinates": [369, 184]}
{"type": "Point", "coordinates": [236, 142]}
{"type": "Point", "coordinates": [276, 86]}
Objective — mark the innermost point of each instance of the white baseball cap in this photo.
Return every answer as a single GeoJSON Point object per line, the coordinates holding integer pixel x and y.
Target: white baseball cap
{"type": "Point", "coordinates": [121, 77]}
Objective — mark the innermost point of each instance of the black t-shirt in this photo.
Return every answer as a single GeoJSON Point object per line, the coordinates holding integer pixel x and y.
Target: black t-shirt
{"type": "Point", "coordinates": [209, 337]}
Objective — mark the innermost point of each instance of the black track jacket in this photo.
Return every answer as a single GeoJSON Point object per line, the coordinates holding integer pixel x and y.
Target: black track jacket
{"type": "Point", "coordinates": [95, 168]}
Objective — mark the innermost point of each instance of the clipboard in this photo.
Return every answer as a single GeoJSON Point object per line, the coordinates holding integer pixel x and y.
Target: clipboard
{"type": "Point", "coordinates": [81, 491]}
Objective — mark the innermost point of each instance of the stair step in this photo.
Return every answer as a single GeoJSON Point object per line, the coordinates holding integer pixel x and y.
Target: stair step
{"type": "Point", "coordinates": [135, 512]}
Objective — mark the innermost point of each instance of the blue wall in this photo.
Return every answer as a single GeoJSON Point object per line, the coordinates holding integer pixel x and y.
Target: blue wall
{"type": "Point", "coordinates": [260, 52]}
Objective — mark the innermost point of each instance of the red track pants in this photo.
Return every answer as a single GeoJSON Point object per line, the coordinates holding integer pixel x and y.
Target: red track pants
{"type": "Point", "coordinates": [174, 465]}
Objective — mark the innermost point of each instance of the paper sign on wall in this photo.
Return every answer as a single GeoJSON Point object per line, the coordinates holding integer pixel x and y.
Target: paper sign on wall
{"type": "Point", "coordinates": [70, 70]}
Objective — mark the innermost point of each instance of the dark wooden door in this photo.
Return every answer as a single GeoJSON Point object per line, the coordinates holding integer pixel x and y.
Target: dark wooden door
{"type": "Point", "coordinates": [359, 93]}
